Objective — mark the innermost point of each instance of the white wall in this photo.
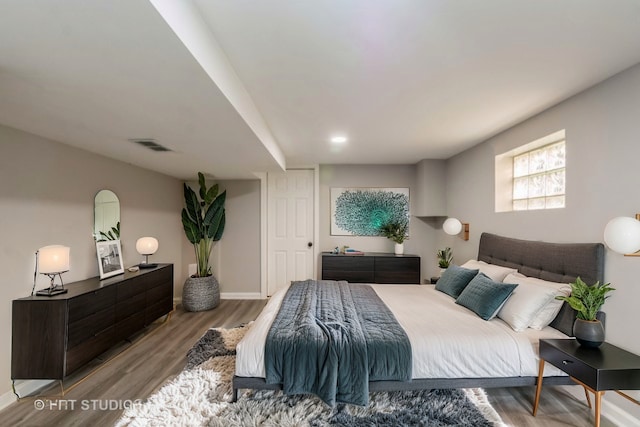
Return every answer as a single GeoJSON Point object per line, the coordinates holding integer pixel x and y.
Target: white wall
{"type": "Point", "coordinates": [603, 150]}
{"type": "Point", "coordinates": [47, 195]}
{"type": "Point", "coordinates": [421, 240]}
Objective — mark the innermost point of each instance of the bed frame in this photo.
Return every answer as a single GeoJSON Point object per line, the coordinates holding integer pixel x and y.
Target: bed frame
{"type": "Point", "coordinates": [556, 262]}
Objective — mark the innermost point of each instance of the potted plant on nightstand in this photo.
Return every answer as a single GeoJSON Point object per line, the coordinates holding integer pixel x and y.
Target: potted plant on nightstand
{"type": "Point", "coordinates": [445, 257]}
{"type": "Point", "coordinates": [203, 220]}
{"type": "Point", "coordinates": [396, 231]}
{"type": "Point", "coordinates": [587, 301]}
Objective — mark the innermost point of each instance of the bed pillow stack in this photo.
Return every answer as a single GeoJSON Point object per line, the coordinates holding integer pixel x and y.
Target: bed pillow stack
{"type": "Point", "coordinates": [533, 304]}
{"type": "Point", "coordinates": [491, 290]}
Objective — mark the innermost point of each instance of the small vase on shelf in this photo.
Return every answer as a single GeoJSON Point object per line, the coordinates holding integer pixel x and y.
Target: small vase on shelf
{"type": "Point", "coordinates": [399, 249]}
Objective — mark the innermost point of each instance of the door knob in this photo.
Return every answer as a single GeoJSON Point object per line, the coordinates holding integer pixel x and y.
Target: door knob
{"type": "Point", "coordinates": [310, 244]}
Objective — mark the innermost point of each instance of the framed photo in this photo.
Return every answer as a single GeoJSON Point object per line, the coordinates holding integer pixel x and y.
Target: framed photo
{"type": "Point", "coordinates": [109, 258]}
{"type": "Point", "coordinates": [362, 211]}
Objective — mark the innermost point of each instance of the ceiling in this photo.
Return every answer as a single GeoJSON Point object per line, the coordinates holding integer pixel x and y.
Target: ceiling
{"type": "Point", "coordinates": [244, 86]}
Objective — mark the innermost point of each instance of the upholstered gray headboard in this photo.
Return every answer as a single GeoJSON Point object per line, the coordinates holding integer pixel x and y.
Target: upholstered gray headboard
{"type": "Point", "coordinates": [555, 262]}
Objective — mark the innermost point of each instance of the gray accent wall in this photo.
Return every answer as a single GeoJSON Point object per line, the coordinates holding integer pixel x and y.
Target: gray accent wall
{"type": "Point", "coordinates": [237, 254]}
{"type": "Point", "coordinates": [603, 153]}
{"type": "Point", "coordinates": [422, 236]}
{"type": "Point", "coordinates": [47, 192]}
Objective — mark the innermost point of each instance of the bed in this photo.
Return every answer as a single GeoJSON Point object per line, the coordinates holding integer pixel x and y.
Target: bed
{"type": "Point", "coordinates": [453, 355]}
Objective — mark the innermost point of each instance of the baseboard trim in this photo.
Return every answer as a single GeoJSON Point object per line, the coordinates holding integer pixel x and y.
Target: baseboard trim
{"type": "Point", "coordinates": [24, 388]}
{"type": "Point", "coordinates": [240, 295]}
{"type": "Point", "coordinates": [617, 415]}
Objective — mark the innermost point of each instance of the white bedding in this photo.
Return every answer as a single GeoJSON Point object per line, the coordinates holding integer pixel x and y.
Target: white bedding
{"type": "Point", "coordinates": [447, 340]}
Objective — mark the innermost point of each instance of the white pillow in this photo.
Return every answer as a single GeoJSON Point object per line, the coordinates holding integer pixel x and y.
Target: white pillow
{"type": "Point", "coordinates": [494, 272]}
{"type": "Point", "coordinates": [550, 311]}
{"type": "Point", "coordinates": [526, 302]}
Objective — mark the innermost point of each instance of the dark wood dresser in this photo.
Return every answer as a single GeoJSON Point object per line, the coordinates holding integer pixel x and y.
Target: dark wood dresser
{"type": "Point", "coordinates": [54, 336]}
{"type": "Point", "coordinates": [372, 267]}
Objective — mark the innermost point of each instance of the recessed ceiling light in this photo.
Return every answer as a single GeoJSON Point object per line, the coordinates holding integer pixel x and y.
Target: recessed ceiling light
{"type": "Point", "coordinates": [339, 139]}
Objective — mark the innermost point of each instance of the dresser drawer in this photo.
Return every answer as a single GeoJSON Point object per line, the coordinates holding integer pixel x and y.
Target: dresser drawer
{"type": "Point", "coordinates": [89, 326]}
{"type": "Point", "coordinates": [130, 288]}
{"type": "Point", "coordinates": [129, 326]}
{"type": "Point", "coordinates": [397, 270]}
{"type": "Point", "coordinates": [89, 349]}
{"type": "Point", "coordinates": [91, 302]}
{"type": "Point", "coordinates": [135, 304]}
{"type": "Point", "coordinates": [354, 268]}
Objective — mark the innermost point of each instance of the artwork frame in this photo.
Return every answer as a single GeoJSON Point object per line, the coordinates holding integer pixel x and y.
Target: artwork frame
{"type": "Point", "coordinates": [360, 211]}
{"type": "Point", "coordinates": [109, 253]}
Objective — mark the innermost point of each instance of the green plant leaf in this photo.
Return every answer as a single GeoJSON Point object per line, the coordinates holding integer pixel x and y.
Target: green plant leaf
{"type": "Point", "coordinates": [190, 228]}
{"type": "Point", "coordinates": [220, 230]}
{"type": "Point", "coordinates": [212, 193]}
{"type": "Point", "coordinates": [202, 185]}
{"type": "Point", "coordinates": [587, 300]}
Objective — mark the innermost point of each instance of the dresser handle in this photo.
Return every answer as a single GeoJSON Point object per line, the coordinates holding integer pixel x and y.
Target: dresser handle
{"type": "Point", "coordinates": [566, 362]}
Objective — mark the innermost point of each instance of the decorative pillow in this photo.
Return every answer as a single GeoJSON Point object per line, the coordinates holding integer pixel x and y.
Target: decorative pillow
{"type": "Point", "coordinates": [525, 303]}
{"type": "Point", "coordinates": [549, 312]}
{"type": "Point", "coordinates": [494, 272]}
{"type": "Point", "coordinates": [454, 280]}
{"type": "Point", "coordinates": [484, 297]}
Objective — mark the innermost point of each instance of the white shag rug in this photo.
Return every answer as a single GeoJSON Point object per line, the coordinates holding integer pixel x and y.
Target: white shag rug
{"type": "Point", "coordinates": [200, 396]}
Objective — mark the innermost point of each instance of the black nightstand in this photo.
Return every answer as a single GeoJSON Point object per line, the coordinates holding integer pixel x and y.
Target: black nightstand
{"type": "Point", "coordinates": [596, 369]}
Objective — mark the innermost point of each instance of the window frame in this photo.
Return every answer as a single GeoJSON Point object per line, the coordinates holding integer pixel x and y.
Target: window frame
{"type": "Point", "coordinates": [545, 173]}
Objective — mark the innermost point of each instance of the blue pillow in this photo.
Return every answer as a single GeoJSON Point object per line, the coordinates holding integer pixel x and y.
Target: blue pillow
{"type": "Point", "coordinates": [454, 280]}
{"type": "Point", "coordinates": [484, 297]}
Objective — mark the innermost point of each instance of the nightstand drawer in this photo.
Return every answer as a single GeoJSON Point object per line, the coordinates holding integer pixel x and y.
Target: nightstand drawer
{"type": "Point", "coordinates": [570, 365]}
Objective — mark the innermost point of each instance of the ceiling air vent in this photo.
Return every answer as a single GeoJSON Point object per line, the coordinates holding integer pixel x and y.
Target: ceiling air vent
{"type": "Point", "coordinates": [149, 143]}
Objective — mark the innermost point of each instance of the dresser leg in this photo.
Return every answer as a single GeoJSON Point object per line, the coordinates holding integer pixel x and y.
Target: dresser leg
{"type": "Point", "coordinates": [538, 387]}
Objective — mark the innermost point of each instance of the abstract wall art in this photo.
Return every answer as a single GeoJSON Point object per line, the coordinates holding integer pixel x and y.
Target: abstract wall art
{"type": "Point", "coordinates": [362, 211]}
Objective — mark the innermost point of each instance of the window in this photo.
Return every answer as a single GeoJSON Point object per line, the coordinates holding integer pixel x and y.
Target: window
{"type": "Point", "coordinates": [532, 176]}
{"type": "Point", "coordinates": [538, 178]}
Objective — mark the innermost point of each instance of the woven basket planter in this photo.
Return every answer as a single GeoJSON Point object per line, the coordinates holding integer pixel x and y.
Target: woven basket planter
{"type": "Point", "coordinates": [200, 293]}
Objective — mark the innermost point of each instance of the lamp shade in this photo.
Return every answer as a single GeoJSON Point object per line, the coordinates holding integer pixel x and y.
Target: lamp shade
{"type": "Point", "coordinates": [53, 259]}
{"type": "Point", "coordinates": [452, 226]}
{"type": "Point", "coordinates": [622, 235]}
{"type": "Point", "coordinates": [147, 245]}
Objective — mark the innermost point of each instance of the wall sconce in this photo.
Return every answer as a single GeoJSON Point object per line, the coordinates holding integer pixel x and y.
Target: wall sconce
{"type": "Point", "coordinates": [147, 246]}
{"type": "Point", "coordinates": [51, 261]}
{"type": "Point", "coordinates": [453, 227]}
{"type": "Point", "coordinates": [622, 235]}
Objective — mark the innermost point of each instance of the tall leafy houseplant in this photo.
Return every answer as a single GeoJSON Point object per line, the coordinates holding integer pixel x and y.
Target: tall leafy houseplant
{"type": "Point", "coordinates": [203, 220]}
{"type": "Point", "coordinates": [586, 301]}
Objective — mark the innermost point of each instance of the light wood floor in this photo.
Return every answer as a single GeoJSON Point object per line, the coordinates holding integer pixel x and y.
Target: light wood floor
{"type": "Point", "coordinates": [138, 368]}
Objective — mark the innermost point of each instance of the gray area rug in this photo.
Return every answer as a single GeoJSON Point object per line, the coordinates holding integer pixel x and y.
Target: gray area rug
{"type": "Point", "coordinates": [200, 395]}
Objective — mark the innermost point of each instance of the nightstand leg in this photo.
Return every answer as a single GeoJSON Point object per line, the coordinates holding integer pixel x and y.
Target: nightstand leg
{"type": "Point", "coordinates": [586, 393]}
{"type": "Point", "coordinates": [598, 402]}
{"type": "Point", "coordinates": [538, 386]}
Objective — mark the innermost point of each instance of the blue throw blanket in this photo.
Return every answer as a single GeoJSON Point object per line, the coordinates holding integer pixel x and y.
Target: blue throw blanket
{"type": "Point", "coordinates": [332, 338]}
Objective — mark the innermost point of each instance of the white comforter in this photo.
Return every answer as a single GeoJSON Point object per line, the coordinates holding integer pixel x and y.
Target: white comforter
{"type": "Point", "coordinates": [447, 340]}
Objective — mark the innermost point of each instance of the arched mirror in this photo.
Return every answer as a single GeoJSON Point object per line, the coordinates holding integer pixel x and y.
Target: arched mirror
{"type": "Point", "coordinates": [106, 224]}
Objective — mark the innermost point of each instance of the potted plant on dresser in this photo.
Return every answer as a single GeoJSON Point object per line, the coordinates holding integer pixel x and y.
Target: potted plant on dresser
{"type": "Point", "coordinates": [396, 231]}
{"type": "Point", "coordinates": [203, 220]}
{"type": "Point", "coordinates": [587, 301]}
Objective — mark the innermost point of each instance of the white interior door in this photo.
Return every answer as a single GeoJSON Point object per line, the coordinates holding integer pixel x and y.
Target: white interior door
{"type": "Point", "coordinates": [290, 227]}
